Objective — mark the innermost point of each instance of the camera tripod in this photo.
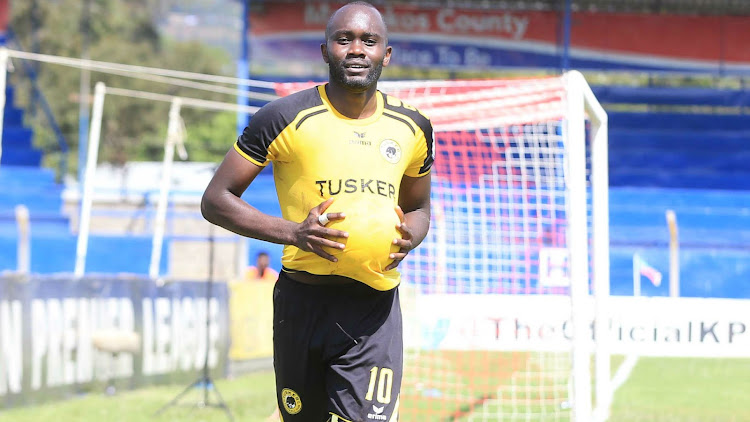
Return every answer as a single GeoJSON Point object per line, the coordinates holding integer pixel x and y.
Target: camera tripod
{"type": "Point", "coordinates": [204, 381]}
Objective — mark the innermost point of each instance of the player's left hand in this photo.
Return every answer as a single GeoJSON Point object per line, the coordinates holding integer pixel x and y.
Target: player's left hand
{"type": "Point", "coordinates": [404, 243]}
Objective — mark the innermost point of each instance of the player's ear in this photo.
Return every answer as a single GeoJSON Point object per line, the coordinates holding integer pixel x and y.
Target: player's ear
{"type": "Point", "coordinates": [324, 52]}
{"type": "Point", "coordinates": [387, 58]}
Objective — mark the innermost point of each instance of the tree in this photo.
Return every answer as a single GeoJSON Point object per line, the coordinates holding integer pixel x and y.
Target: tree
{"type": "Point", "coordinates": [122, 32]}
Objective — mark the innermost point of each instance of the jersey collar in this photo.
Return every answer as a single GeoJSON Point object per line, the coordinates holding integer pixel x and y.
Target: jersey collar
{"type": "Point", "coordinates": [375, 116]}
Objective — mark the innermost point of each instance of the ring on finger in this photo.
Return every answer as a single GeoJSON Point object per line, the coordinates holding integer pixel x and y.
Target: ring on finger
{"type": "Point", "coordinates": [323, 219]}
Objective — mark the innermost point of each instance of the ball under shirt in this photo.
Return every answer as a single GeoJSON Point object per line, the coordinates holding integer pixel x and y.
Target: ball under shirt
{"type": "Point", "coordinates": [318, 153]}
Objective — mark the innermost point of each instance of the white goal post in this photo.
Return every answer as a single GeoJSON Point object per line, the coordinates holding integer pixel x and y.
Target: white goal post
{"type": "Point", "coordinates": [582, 102]}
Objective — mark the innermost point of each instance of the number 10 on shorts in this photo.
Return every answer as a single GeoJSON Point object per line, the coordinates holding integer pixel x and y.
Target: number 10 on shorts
{"type": "Point", "coordinates": [383, 377]}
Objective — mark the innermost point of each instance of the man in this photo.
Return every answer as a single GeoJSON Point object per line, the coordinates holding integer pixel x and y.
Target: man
{"type": "Point", "coordinates": [261, 271]}
{"type": "Point", "coordinates": [352, 171]}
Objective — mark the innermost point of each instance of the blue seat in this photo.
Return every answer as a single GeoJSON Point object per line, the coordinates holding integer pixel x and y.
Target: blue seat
{"type": "Point", "coordinates": [40, 224]}
{"type": "Point", "coordinates": [30, 186]}
{"type": "Point", "coordinates": [701, 150]}
{"type": "Point", "coordinates": [663, 95]}
{"type": "Point", "coordinates": [56, 252]}
{"type": "Point", "coordinates": [677, 138]}
{"type": "Point", "coordinates": [21, 156]}
{"type": "Point", "coordinates": [25, 175]}
{"type": "Point", "coordinates": [12, 116]}
{"type": "Point", "coordinates": [678, 121]}
{"type": "Point", "coordinates": [17, 136]}
{"type": "Point", "coordinates": [17, 139]}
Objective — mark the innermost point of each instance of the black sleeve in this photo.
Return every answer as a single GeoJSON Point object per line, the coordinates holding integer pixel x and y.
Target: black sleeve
{"type": "Point", "coordinates": [426, 127]}
{"type": "Point", "coordinates": [268, 123]}
{"type": "Point", "coordinates": [264, 127]}
{"type": "Point", "coordinates": [420, 120]}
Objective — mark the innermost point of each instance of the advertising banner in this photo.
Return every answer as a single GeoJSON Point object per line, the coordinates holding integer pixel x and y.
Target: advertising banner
{"type": "Point", "coordinates": [4, 18]}
{"type": "Point", "coordinates": [60, 336]}
{"type": "Point", "coordinates": [288, 37]}
{"type": "Point", "coordinates": [656, 326]}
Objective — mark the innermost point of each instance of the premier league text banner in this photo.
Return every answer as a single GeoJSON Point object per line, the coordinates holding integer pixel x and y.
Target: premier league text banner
{"type": "Point", "coordinates": [60, 336]}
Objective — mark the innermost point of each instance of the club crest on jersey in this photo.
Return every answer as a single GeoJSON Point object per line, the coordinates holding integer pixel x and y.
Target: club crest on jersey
{"type": "Point", "coordinates": [390, 150]}
{"type": "Point", "coordinates": [291, 400]}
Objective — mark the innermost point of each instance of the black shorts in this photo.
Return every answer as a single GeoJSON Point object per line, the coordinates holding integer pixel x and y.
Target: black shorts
{"type": "Point", "coordinates": [338, 352]}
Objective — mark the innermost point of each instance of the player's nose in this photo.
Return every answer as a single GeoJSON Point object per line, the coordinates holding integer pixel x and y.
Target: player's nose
{"type": "Point", "coordinates": [356, 48]}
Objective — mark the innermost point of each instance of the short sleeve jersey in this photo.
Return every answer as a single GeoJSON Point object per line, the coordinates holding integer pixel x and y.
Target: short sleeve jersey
{"type": "Point", "coordinates": [318, 153]}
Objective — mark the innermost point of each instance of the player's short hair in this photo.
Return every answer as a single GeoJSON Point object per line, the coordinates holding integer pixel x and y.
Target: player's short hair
{"type": "Point", "coordinates": [356, 3]}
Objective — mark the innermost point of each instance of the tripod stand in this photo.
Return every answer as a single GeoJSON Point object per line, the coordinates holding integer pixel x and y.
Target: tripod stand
{"type": "Point", "coordinates": [205, 381]}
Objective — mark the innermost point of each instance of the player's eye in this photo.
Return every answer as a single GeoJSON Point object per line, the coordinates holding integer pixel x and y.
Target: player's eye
{"type": "Point", "coordinates": [342, 40]}
{"type": "Point", "coordinates": [370, 42]}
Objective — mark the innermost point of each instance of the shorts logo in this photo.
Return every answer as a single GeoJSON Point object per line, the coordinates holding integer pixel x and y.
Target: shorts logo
{"type": "Point", "coordinates": [291, 400]}
{"type": "Point", "coordinates": [390, 150]}
{"type": "Point", "coordinates": [377, 415]}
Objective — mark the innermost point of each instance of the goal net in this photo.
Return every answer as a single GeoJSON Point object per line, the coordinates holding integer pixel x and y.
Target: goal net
{"type": "Point", "coordinates": [498, 327]}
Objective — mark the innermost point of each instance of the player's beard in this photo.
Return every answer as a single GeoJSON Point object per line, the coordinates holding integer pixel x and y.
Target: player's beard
{"type": "Point", "coordinates": [337, 74]}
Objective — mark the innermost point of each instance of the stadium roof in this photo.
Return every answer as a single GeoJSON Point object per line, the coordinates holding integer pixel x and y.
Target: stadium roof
{"type": "Point", "coordinates": [694, 7]}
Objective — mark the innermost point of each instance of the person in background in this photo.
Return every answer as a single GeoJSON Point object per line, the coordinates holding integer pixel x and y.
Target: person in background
{"type": "Point", "coordinates": [261, 271]}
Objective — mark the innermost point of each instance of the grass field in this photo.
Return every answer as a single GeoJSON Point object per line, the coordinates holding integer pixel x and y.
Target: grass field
{"type": "Point", "coordinates": [658, 390]}
{"type": "Point", "coordinates": [685, 390]}
{"type": "Point", "coordinates": [250, 399]}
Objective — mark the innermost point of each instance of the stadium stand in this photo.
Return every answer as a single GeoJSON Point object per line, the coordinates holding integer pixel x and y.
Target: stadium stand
{"type": "Point", "coordinates": [675, 160]}
{"type": "Point", "coordinates": [17, 139]}
{"type": "Point", "coordinates": [25, 183]}
{"type": "Point", "coordinates": [678, 149]}
{"type": "Point", "coordinates": [693, 163]}
{"type": "Point", "coordinates": [53, 245]}
{"type": "Point", "coordinates": [714, 228]}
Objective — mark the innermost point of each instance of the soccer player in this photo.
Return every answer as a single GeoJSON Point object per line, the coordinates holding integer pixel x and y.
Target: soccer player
{"type": "Point", "coordinates": [352, 172]}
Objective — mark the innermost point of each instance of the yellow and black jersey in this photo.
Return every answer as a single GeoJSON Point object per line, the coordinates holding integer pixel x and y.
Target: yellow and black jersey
{"type": "Point", "coordinates": [318, 153]}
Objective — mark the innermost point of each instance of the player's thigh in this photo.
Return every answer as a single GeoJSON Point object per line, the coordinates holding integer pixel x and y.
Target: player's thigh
{"type": "Point", "coordinates": [365, 393]}
{"type": "Point", "coordinates": [364, 382]}
{"type": "Point", "coordinates": [300, 373]}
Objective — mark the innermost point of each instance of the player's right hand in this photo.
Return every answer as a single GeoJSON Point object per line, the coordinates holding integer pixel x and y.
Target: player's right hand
{"type": "Point", "coordinates": [312, 236]}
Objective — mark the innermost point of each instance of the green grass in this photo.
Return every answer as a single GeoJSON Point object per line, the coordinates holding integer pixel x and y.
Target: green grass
{"type": "Point", "coordinates": [250, 399]}
{"type": "Point", "coordinates": [659, 389]}
{"type": "Point", "coordinates": [685, 390]}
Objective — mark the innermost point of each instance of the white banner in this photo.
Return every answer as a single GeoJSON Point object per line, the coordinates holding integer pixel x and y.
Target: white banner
{"type": "Point", "coordinates": [59, 335]}
{"type": "Point", "coordinates": [655, 326]}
